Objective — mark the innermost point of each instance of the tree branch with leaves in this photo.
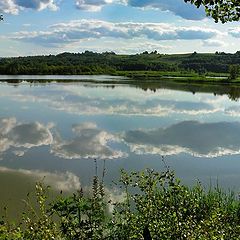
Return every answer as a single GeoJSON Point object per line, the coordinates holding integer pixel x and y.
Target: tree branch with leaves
{"type": "Point", "coordinates": [220, 10]}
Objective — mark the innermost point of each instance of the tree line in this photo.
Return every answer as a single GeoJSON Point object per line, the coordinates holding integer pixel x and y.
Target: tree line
{"type": "Point", "coordinates": [108, 63]}
{"type": "Point", "coordinates": [83, 63]}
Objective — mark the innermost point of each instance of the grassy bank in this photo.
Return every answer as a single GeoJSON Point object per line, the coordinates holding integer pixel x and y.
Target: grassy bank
{"type": "Point", "coordinates": [218, 84]}
{"type": "Point", "coordinates": [153, 204]}
{"type": "Point", "coordinates": [184, 76]}
{"type": "Point", "coordinates": [190, 77]}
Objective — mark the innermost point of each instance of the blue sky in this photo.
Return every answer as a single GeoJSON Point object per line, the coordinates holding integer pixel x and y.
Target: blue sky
{"type": "Point", "coordinates": [34, 27]}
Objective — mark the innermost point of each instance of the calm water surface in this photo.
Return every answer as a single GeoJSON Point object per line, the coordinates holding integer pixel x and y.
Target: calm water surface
{"type": "Point", "coordinates": [55, 131]}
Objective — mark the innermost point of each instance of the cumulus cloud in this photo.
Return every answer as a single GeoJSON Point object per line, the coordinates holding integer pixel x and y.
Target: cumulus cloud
{"type": "Point", "coordinates": [177, 7]}
{"type": "Point", "coordinates": [90, 142]}
{"type": "Point", "coordinates": [37, 4]}
{"type": "Point", "coordinates": [14, 6]}
{"type": "Point", "coordinates": [75, 31]}
{"type": "Point", "coordinates": [9, 6]}
{"type": "Point", "coordinates": [213, 43]}
{"type": "Point", "coordinates": [235, 32]}
{"type": "Point", "coordinates": [92, 5]}
{"type": "Point", "coordinates": [30, 135]}
{"type": "Point", "coordinates": [23, 135]}
{"type": "Point", "coordinates": [192, 137]}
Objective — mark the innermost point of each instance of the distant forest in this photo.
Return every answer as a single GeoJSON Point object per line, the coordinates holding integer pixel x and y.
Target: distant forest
{"type": "Point", "coordinates": [111, 63]}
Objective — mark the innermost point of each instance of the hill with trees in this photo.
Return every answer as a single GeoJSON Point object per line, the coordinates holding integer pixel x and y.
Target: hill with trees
{"type": "Point", "coordinates": [110, 63]}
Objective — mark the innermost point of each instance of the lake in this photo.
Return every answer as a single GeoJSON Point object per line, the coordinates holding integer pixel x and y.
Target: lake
{"type": "Point", "coordinates": [54, 131]}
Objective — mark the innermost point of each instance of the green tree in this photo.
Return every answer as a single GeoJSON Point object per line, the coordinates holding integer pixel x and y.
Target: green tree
{"type": "Point", "coordinates": [220, 10]}
{"type": "Point", "coordinates": [233, 71]}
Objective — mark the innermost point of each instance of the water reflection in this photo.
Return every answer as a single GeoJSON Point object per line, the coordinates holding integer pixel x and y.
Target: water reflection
{"type": "Point", "coordinates": [199, 139]}
{"type": "Point", "coordinates": [23, 135]}
{"type": "Point", "coordinates": [50, 130]}
{"type": "Point", "coordinates": [16, 184]}
{"type": "Point", "coordinates": [90, 142]}
{"type": "Point", "coordinates": [122, 101]}
{"type": "Point", "coordinates": [59, 181]}
{"type": "Point", "coordinates": [231, 90]}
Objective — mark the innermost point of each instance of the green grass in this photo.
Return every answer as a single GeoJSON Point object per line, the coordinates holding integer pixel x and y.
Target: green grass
{"type": "Point", "coordinates": [136, 74]}
{"type": "Point", "coordinates": [153, 202]}
{"type": "Point", "coordinates": [180, 76]}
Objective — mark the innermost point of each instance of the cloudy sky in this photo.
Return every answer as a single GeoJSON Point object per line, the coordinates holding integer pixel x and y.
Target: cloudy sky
{"type": "Point", "coordinates": [125, 26]}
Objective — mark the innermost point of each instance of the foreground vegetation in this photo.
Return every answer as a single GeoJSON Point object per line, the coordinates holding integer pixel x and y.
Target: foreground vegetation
{"type": "Point", "coordinates": [155, 206]}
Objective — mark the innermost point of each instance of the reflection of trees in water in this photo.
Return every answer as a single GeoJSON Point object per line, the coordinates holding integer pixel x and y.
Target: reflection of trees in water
{"type": "Point", "coordinates": [233, 92]}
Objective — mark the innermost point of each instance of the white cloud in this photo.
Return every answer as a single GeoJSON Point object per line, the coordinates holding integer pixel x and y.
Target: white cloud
{"type": "Point", "coordinates": [78, 30]}
{"type": "Point", "coordinates": [14, 6]}
{"type": "Point", "coordinates": [127, 106]}
{"type": "Point", "coordinates": [90, 142]}
{"type": "Point", "coordinates": [8, 6]}
{"type": "Point", "coordinates": [177, 7]}
{"type": "Point", "coordinates": [19, 153]}
{"type": "Point", "coordinates": [79, 101]}
{"type": "Point", "coordinates": [37, 4]}
{"type": "Point", "coordinates": [27, 25]}
{"type": "Point", "coordinates": [92, 5]}
{"type": "Point", "coordinates": [213, 43]}
{"type": "Point", "coordinates": [163, 150]}
{"type": "Point", "coordinates": [23, 135]}
{"type": "Point", "coordinates": [192, 137]}
{"type": "Point", "coordinates": [235, 32]}
{"type": "Point", "coordinates": [233, 111]}
{"type": "Point", "coordinates": [30, 135]}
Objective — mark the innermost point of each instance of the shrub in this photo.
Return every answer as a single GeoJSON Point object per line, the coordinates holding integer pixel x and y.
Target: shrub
{"type": "Point", "coordinates": [155, 203]}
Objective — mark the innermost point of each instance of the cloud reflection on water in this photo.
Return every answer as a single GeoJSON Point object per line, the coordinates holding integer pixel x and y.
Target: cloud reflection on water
{"type": "Point", "coordinates": [23, 135]}
{"type": "Point", "coordinates": [59, 181]}
{"type": "Point", "coordinates": [192, 137]}
{"type": "Point", "coordinates": [82, 100]}
{"type": "Point", "coordinates": [89, 142]}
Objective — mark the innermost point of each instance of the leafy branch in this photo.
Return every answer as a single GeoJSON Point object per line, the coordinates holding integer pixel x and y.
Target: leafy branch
{"type": "Point", "coordinates": [220, 10]}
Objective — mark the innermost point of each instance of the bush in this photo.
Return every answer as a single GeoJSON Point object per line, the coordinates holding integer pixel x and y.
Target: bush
{"type": "Point", "coordinates": [233, 72]}
{"type": "Point", "coordinates": [155, 203]}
